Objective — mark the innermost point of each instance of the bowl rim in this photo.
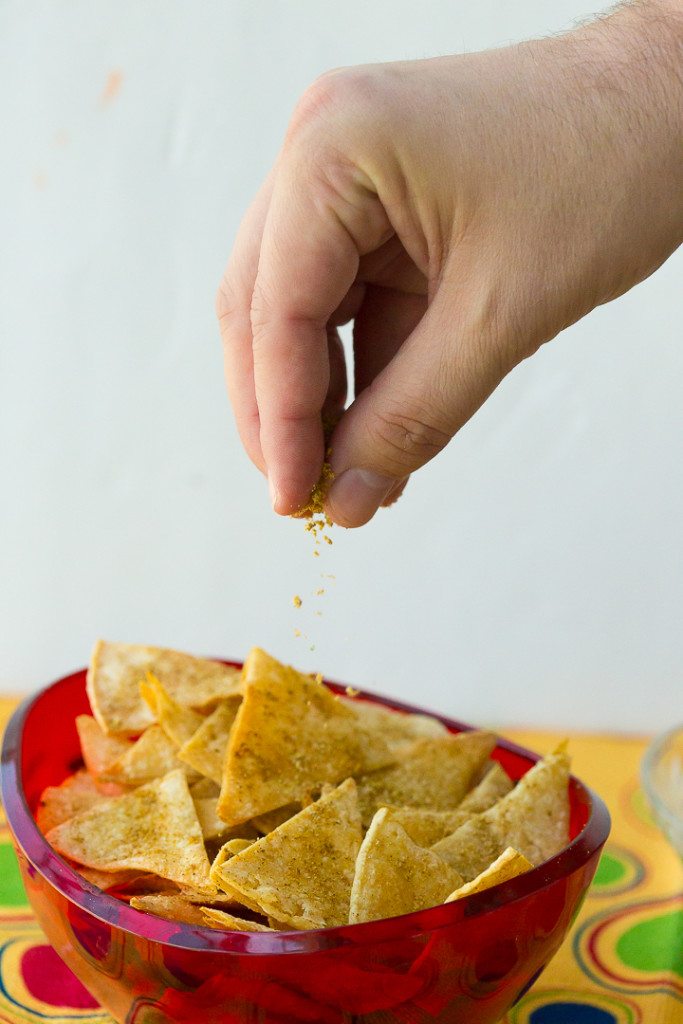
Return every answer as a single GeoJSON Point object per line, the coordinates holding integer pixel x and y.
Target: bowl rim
{"type": "Point", "coordinates": [661, 810]}
{"type": "Point", "coordinates": [74, 888]}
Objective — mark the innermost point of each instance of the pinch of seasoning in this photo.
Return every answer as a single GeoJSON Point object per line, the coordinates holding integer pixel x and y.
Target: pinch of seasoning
{"type": "Point", "coordinates": [297, 632]}
{"type": "Point", "coordinates": [320, 591]}
{"type": "Point", "coordinates": [351, 691]}
{"type": "Point", "coordinates": [314, 505]}
{"type": "Point", "coordinates": [296, 601]}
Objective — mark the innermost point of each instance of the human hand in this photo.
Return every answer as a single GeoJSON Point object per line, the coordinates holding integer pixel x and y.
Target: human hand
{"type": "Point", "coordinates": [461, 211]}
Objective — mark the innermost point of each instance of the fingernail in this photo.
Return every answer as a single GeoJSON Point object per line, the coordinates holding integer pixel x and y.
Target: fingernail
{"type": "Point", "coordinates": [356, 495]}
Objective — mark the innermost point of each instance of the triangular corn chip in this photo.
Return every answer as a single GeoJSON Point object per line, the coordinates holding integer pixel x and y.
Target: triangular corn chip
{"type": "Point", "coordinates": [204, 788]}
{"type": "Point", "coordinates": [172, 906]}
{"type": "Point", "coordinates": [509, 865]}
{"type": "Point", "coordinates": [229, 849]}
{"type": "Point", "coordinates": [395, 727]}
{"type": "Point", "coordinates": [271, 820]}
{"type": "Point", "coordinates": [395, 876]}
{"type": "Point", "coordinates": [214, 827]}
{"type": "Point", "coordinates": [150, 757]}
{"type": "Point", "coordinates": [178, 722]}
{"type": "Point", "coordinates": [290, 736]}
{"type": "Point", "coordinates": [98, 749]}
{"type": "Point", "coordinates": [434, 774]}
{"type": "Point", "coordinates": [205, 749]}
{"type": "Point", "coordinates": [154, 828]}
{"type": "Point", "coordinates": [106, 879]}
{"type": "Point", "coordinates": [427, 827]}
{"type": "Point", "coordinates": [533, 818]}
{"type": "Point", "coordinates": [116, 670]}
{"type": "Point", "coordinates": [301, 873]}
{"type": "Point", "coordinates": [219, 919]}
{"type": "Point", "coordinates": [235, 846]}
{"type": "Point", "coordinates": [494, 785]}
{"type": "Point", "coordinates": [77, 793]}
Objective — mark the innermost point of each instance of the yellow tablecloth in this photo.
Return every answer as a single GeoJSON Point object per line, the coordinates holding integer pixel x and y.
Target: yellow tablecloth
{"type": "Point", "coordinates": [623, 963]}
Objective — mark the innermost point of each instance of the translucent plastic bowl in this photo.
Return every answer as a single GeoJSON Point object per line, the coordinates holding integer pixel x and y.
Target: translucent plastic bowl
{"type": "Point", "coordinates": [662, 774]}
{"type": "Point", "coordinates": [467, 961]}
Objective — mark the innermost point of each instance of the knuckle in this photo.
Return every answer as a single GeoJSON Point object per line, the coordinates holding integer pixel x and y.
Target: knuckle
{"type": "Point", "coordinates": [336, 94]}
{"type": "Point", "coordinates": [409, 439]}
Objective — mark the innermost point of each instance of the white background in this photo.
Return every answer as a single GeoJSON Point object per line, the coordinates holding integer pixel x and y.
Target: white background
{"type": "Point", "coordinates": [531, 574]}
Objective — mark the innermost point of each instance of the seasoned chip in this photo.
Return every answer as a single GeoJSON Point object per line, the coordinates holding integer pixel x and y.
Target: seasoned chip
{"type": "Point", "coordinates": [106, 879]}
{"type": "Point", "coordinates": [395, 876]}
{"type": "Point", "coordinates": [507, 866]}
{"type": "Point", "coordinates": [395, 727]}
{"type": "Point", "coordinates": [271, 820]}
{"type": "Point", "coordinates": [116, 670]}
{"type": "Point", "coordinates": [533, 818]}
{"type": "Point", "coordinates": [434, 774]}
{"type": "Point", "coordinates": [495, 784]}
{"type": "Point", "coordinates": [172, 906]}
{"type": "Point", "coordinates": [98, 749]}
{"type": "Point", "coordinates": [178, 722]}
{"type": "Point", "coordinates": [203, 789]}
{"type": "Point", "coordinates": [154, 828]}
{"type": "Point", "coordinates": [213, 826]}
{"type": "Point", "coordinates": [219, 919]}
{"type": "Point", "coordinates": [426, 827]}
{"type": "Point", "coordinates": [226, 851]}
{"type": "Point", "coordinates": [205, 750]}
{"type": "Point", "coordinates": [77, 793]}
{"type": "Point", "coordinates": [301, 873]}
{"type": "Point", "coordinates": [291, 735]}
{"type": "Point", "coordinates": [150, 757]}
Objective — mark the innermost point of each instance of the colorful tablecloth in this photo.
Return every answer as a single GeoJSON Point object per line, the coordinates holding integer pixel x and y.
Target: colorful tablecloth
{"type": "Point", "coordinates": [622, 964]}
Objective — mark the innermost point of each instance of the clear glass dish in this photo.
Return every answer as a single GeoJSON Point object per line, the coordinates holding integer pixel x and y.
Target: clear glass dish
{"type": "Point", "coordinates": [662, 777]}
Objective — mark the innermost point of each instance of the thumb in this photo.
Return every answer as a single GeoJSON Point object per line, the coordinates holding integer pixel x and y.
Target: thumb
{"type": "Point", "coordinates": [440, 376]}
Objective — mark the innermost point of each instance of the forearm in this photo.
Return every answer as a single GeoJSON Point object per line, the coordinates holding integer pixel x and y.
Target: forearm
{"type": "Point", "coordinates": [633, 74]}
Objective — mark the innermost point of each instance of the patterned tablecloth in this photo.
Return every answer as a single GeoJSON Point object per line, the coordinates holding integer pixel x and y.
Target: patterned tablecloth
{"type": "Point", "coordinates": [623, 963]}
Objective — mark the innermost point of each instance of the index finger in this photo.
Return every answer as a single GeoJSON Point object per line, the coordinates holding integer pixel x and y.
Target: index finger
{"type": "Point", "coordinates": [307, 264]}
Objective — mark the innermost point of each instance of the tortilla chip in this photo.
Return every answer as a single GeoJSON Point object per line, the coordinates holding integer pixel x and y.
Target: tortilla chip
{"type": "Point", "coordinates": [533, 818]}
{"type": "Point", "coordinates": [494, 785]}
{"type": "Point", "coordinates": [396, 727]}
{"type": "Point", "coordinates": [172, 906]}
{"type": "Point", "coordinates": [301, 873]}
{"type": "Point", "coordinates": [434, 774]}
{"type": "Point", "coordinates": [427, 827]}
{"type": "Point", "coordinates": [205, 750]}
{"type": "Point", "coordinates": [395, 876]}
{"type": "Point", "coordinates": [219, 919]}
{"type": "Point", "coordinates": [509, 865]}
{"type": "Point", "coordinates": [203, 789]}
{"type": "Point", "coordinates": [178, 722]}
{"type": "Point", "coordinates": [213, 826]}
{"type": "Point", "coordinates": [235, 846]}
{"type": "Point", "coordinates": [116, 670]}
{"type": "Point", "coordinates": [152, 756]}
{"type": "Point", "coordinates": [106, 879]}
{"type": "Point", "coordinates": [291, 735]}
{"type": "Point", "coordinates": [154, 828]}
{"type": "Point", "coordinates": [268, 822]}
{"type": "Point", "coordinates": [77, 793]}
{"type": "Point", "coordinates": [98, 749]}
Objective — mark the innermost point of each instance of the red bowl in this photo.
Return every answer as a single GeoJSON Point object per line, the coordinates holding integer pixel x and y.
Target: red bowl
{"type": "Point", "coordinates": [467, 961]}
